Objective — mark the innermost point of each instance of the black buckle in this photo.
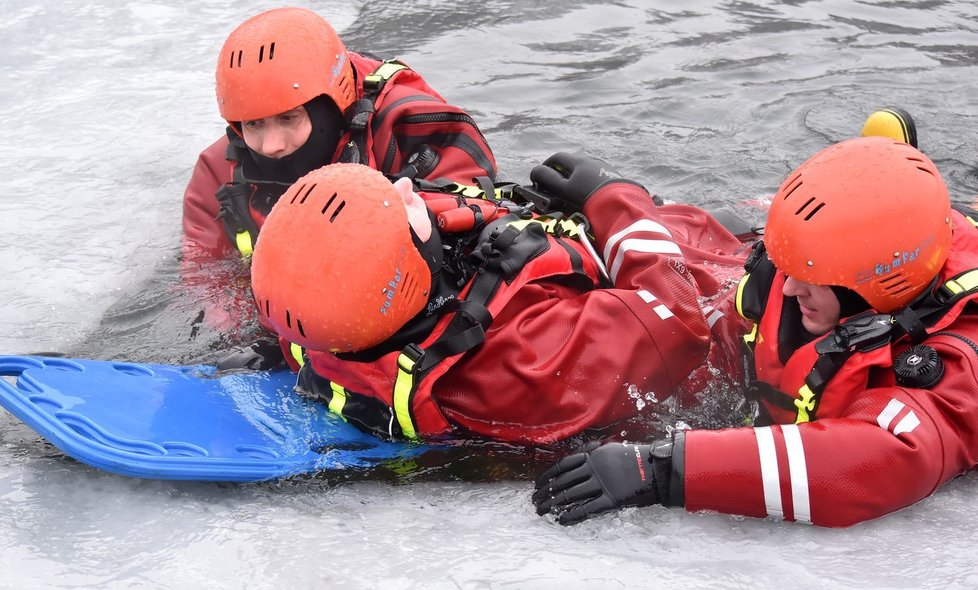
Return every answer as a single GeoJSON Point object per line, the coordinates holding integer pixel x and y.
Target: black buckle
{"type": "Point", "coordinates": [415, 353]}
{"type": "Point", "coordinates": [862, 333]}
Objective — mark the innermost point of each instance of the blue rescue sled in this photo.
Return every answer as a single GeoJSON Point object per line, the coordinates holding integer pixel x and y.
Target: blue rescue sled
{"type": "Point", "coordinates": [172, 422]}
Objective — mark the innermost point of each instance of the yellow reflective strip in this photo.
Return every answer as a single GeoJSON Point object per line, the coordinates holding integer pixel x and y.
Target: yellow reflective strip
{"type": "Point", "coordinates": [243, 241]}
{"type": "Point", "coordinates": [388, 69]}
{"type": "Point", "coordinates": [970, 219]}
{"type": "Point", "coordinates": [751, 336]}
{"type": "Point", "coordinates": [296, 351]}
{"type": "Point", "coordinates": [570, 228]}
{"type": "Point", "coordinates": [740, 295]}
{"type": "Point", "coordinates": [965, 282]}
{"type": "Point", "coordinates": [338, 400]}
{"type": "Point", "coordinates": [467, 190]}
{"type": "Point", "coordinates": [805, 404]}
{"type": "Point", "coordinates": [403, 386]}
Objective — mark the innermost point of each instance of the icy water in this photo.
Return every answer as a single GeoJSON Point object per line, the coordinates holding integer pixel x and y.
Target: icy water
{"type": "Point", "coordinates": [105, 106]}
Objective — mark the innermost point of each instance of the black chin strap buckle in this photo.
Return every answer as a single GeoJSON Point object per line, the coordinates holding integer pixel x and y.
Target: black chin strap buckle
{"type": "Point", "coordinates": [861, 333]}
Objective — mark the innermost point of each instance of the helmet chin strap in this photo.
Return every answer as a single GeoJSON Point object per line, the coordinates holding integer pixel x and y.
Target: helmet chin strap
{"type": "Point", "coordinates": [434, 255]}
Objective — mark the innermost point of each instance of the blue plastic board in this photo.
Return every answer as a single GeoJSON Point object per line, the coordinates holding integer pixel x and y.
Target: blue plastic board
{"type": "Point", "coordinates": [172, 422]}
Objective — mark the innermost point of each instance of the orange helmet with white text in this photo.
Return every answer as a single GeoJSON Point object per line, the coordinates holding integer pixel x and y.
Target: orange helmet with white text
{"type": "Point", "coordinates": [335, 267]}
{"type": "Point", "coordinates": [869, 214]}
{"type": "Point", "coordinates": [281, 59]}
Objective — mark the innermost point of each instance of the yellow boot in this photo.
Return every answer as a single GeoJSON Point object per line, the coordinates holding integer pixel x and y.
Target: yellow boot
{"type": "Point", "coordinates": [891, 122]}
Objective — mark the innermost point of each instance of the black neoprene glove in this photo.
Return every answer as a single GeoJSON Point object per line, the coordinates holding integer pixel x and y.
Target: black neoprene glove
{"type": "Point", "coordinates": [262, 354]}
{"type": "Point", "coordinates": [571, 179]}
{"type": "Point", "coordinates": [608, 477]}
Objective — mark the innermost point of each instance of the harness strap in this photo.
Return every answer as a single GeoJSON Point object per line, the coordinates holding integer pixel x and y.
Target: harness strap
{"type": "Point", "coordinates": [361, 112]}
{"type": "Point", "coordinates": [866, 332]}
{"type": "Point", "coordinates": [504, 254]}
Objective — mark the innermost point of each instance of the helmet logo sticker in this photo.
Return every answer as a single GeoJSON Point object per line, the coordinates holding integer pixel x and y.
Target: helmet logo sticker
{"type": "Point", "coordinates": [391, 289]}
{"type": "Point", "coordinates": [338, 66]}
{"type": "Point", "coordinates": [900, 258]}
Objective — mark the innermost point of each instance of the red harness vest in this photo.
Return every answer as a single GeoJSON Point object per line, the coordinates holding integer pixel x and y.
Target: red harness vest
{"type": "Point", "coordinates": [394, 395]}
{"type": "Point", "coordinates": [872, 362]}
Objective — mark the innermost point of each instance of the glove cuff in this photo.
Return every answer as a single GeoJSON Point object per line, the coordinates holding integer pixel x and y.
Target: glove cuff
{"type": "Point", "coordinates": [622, 187]}
{"type": "Point", "coordinates": [667, 459]}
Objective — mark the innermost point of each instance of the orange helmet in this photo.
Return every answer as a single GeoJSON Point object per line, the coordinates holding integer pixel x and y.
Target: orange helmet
{"type": "Point", "coordinates": [335, 266]}
{"type": "Point", "coordinates": [278, 60]}
{"type": "Point", "coordinates": [870, 214]}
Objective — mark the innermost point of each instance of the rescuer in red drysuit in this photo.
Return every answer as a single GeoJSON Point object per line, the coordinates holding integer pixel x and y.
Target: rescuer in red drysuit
{"type": "Point", "coordinates": [863, 355]}
{"type": "Point", "coordinates": [506, 329]}
{"type": "Point", "coordinates": [296, 99]}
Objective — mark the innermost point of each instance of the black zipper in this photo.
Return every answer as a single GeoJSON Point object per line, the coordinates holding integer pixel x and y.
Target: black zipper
{"type": "Point", "coordinates": [973, 346]}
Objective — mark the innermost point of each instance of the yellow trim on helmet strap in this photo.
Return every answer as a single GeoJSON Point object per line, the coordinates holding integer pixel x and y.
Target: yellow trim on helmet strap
{"type": "Point", "coordinates": [338, 400]}
{"type": "Point", "coordinates": [384, 72]}
{"type": "Point", "coordinates": [805, 404]}
{"type": "Point", "coordinates": [751, 336]}
{"type": "Point", "coordinates": [297, 353]}
{"type": "Point", "coordinates": [741, 286]}
{"type": "Point", "coordinates": [403, 388]}
{"type": "Point", "coordinates": [971, 220]}
{"type": "Point", "coordinates": [467, 190]}
{"type": "Point", "coordinates": [568, 227]}
{"type": "Point", "coordinates": [475, 192]}
{"type": "Point", "coordinates": [242, 240]}
{"type": "Point", "coordinates": [965, 282]}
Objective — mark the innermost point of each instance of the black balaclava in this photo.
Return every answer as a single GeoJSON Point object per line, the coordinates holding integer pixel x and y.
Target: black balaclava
{"type": "Point", "coordinates": [274, 175]}
{"type": "Point", "coordinates": [850, 302]}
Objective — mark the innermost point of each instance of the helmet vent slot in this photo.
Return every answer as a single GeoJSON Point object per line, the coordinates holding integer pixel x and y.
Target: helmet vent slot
{"type": "Point", "coordinates": [336, 213]}
{"type": "Point", "coordinates": [927, 170]}
{"type": "Point", "coordinates": [328, 203]}
{"type": "Point", "coordinates": [262, 306]}
{"type": "Point", "coordinates": [811, 210]}
{"type": "Point", "coordinates": [298, 325]}
{"type": "Point", "coordinates": [288, 318]}
{"type": "Point", "coordinates": [896, 284]}
{"type": "Point", "coordinates": [410, 286]}
{"type": "Point", "coordinates": [271, 53]}
{"type": "Point", "coordinates": [795, 183]}
{"type": "Point", "coordinates": [306, 194]}
{"type": "Point", "coordinates": [295, 194]}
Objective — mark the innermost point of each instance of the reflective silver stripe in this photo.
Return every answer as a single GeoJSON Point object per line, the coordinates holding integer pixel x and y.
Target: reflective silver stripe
{"type": "Point", "coordinates": [770, 477]}
{"type": "Point", "coordinates": [640, 225]}
{"type": "Point", "coordinates": [711, 318]}
{"type": "Point", "coordinates": [661, 310]}
{"type": "Point", "coordinates": [889, 413]}
{"type": "Point", "coordinates": [909, 422]}
{"type": "Point", "coordinates": [906, 424]}
{"type": "Point", "coordinates": [641, 245]}
{"type": "Point", "coordinates": [798, 470]}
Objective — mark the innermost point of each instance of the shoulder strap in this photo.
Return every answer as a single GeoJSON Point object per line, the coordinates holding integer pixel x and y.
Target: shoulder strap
{"type": "Point", "coordinates": [360, 113]}
{"type": "Point", "coordinates": [234, 198]}
{"type": "Point", "coordinates": [506, 251]}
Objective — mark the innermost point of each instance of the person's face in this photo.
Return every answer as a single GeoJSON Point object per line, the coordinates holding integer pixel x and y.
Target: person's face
{"type": "Point", "coordinates": [820, 310]}
{"type": "Point", "coordinates": [417, 212]}
{"type": "Point", "coordinates": [280, 135]}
